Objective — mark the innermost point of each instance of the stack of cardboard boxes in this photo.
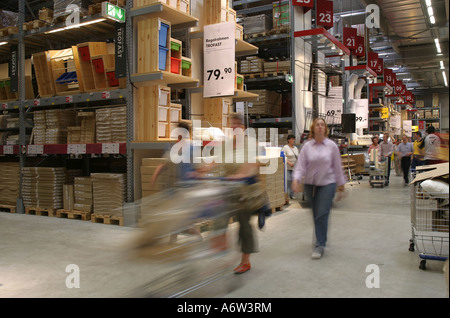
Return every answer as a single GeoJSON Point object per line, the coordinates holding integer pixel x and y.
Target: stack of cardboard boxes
{"type": "Point", "coordinates": [82, 188]}
{"type": "Point", "coordinates": [165, 179]}
{"type": "Point", "coordinates": [109, 193]}
{"type": "Point", "coordinates": [274, 185]}
{"type": "Point", "coordinates": [268, 104]}
{"type": "Point", "coordinates": [43, 187]}
{"type": "Point", "coordinates": [111, 125]}
{"type": "Point", "coordinates": [252, 64]}
{"type": "Point", "coordinates": [9, 189]}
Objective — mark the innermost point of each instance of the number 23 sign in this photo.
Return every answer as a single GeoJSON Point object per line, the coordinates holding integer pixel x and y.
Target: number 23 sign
{"type": "Point", "coordinates": [324, 13]}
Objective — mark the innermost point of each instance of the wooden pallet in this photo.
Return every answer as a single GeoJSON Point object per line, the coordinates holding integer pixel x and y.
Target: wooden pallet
{"type": "Point", "coordinates": [7, 208]}
{"type": "Point", "coordinates": [253, 75]}
{"type": "Point", "coordinates": [73, 214]}
{"type": "Point", "coordinates": [40, 211]}
{"type": "Point", "coordinates": [255, 35]}
{"type": "Point", "coordinates": [8, 31]}
{"type": "Point", "coordinates": [275, 74]}
{"type": "Point", "coordinates": [278, 209]}
{"type": "Point", "coordinates": [107, 219]}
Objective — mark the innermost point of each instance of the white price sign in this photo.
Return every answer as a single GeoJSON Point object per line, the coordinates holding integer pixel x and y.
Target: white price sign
{"type": "Point", "coordinates": [395, 125]}
{"type": "Point", "coordinates": [8, 150]}
{"type": "Point", "coordinates": [219, 58]}
{"type": "Point", "coordinates": [362, 113]}
{"type": "Point", "coordinates": [76, 149]}
{"type": "Point", "coordinates": [35, 149]}
{"type": "Point", "coordinates": [110, 148]}
{"type": "Point", "coordinates": [407, 128]}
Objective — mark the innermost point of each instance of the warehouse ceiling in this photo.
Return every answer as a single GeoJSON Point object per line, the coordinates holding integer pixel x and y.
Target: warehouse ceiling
{"type": "Point", "coordinates": [406, 41]}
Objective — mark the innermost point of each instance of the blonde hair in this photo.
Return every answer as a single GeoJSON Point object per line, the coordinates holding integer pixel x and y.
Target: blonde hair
{"type": "Point", "coordinates": [311, 129]}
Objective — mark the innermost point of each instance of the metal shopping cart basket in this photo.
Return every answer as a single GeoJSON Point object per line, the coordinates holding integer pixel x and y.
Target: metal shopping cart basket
{"type": "Point", "coordinates": [180, 227]}
{"type": "Point", "coordinates": [430, 224]}
{"type": "Point", "coordinates": [377, 173]}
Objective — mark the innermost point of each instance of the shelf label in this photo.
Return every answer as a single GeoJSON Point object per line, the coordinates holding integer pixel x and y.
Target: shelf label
{"type": "Point", "coordinates": [106, 95]}
{"type": "Point", "coordinates": [389, 76]}
{"type": "Point", "coordinates": [69, 99]}
{"type": "Point", "coordinates": [8, 150]}
{"type": "Point", "coordinates": [110, 148]}
{"type": "Point", "coordinates": [324, 13]}
{"type": "Point", "coordinates": [37, 102]}
{"type": "Point", "coordinates": [4, 106]}
{"type": "Point", "coordinates": [219, 74]}
{"type": "Point", "coordinates": [35, 149]}
{"type": "Point", "coordinates": [76, 149]}
{"type": "Point", "coordinates": [13, 69]}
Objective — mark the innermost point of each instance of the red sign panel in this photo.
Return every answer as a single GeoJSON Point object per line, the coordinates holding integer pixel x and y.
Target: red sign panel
{"type": "Point", "coordinates": [372, 60]}
{"type": "Point", "coordinates": [360, 46]}
{"type": "Point", "coordinates": [389, 76]}
{"type": "Point", "coordinates": [379, 68]}
{"type": "Point", "coordinates": [303, 3]}
{"type": "Point", "coordinates": [398, 86]}
{"type": "Point", "coordinates": [324, 13]}
{"type": "Point", "coordinates": [350, 35]}
{"type": "Point", "coordinates": [421, 124]}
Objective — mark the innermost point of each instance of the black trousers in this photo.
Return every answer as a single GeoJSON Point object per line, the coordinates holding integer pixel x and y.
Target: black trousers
{"type": "Point", "coordinates": [406, 164]}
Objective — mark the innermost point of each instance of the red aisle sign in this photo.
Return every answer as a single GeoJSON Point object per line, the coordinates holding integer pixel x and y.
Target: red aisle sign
{"type": "Point", "coordinates": [398, 87]}
{"type": "Point", "coordinates": [360, 46]}
{"type": "Point", "coordinates": [350, 35]}
{"type": "Point", "coordinates": [304, 3]}
{"type": "Point", "coordinates": [403, 90]}
{"type": "Point", "coordinates": [324, 13]}
{"type": "Point", "coordinates": [421, 124]}
{"type": "Point", "coordinates": [389, 76]}
{"type": "Point", "coordinates": [409, 97]}
{"type": "Point", "coordinates": [379, 67]}
{"type": "Point", "coordinates": [372, 60]}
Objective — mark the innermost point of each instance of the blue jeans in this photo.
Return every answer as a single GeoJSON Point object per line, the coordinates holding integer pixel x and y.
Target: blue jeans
{"type": "Point", "coordinates": [321, 200]}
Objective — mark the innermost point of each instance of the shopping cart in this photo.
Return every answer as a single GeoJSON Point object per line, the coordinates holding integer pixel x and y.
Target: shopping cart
{"type": "Point", "coordinates": [430, 224]}
{"type": "Point", "coordinates": [182, 228]}
{"type": "Point", "coordinates": [377, 173]}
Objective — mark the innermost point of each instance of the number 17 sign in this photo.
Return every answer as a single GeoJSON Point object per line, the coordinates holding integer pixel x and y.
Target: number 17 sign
{"type": "Point", "coordinates": [219, 58]}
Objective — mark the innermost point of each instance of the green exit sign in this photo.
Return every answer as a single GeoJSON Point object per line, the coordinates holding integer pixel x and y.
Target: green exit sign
{"type": "Point", "coordinates": [113, 12]}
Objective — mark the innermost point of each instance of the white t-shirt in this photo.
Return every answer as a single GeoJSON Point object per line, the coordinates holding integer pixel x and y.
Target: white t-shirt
{"type": "Point", "coordinates": [291, 155]}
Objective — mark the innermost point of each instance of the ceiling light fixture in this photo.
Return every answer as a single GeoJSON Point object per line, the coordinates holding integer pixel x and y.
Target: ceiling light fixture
{"type": "Point", "coordinates": [445, 78]}
{"type": "Point", "coordinates": [3, 43]}
{"type": "Point", "coordinates": [438, 46]}
{"type": "Point", "coordinates": [76, 25]}
{"type": "Point", "coordinates": [442, 65]}
{"type": "Point", "coordinates": [430, 11]}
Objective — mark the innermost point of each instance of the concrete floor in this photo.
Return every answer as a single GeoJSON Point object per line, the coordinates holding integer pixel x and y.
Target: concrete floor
{"type": "Point", "coordinates": [370, 226]}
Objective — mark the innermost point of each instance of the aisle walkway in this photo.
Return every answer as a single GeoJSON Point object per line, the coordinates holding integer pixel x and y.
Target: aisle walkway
{"type": "Point", "coordinates": [371, 226]}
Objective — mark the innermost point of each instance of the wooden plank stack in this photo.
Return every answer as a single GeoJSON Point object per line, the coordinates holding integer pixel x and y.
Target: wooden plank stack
{"type": "Point", "coordinates": [9, 189]}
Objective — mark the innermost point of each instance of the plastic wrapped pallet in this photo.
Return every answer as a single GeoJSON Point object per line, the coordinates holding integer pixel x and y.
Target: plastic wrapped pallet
{"type": "Point", "coordinates": [83, 194]}
{"type": "Point", "coordinates": [108, 193]}
{"type": "Point", "coordinates": [280, 14]}
{"type": "Point", "coordinates": [42, 187]}
{"type": "Point", "coordinates": [103, 125]}
{"type": "Point", "coordinates": [119, 124]}
{"type": "Point", "coordinates": [9, 189]}
{"type": "Point", "coordinates": [257, 24]}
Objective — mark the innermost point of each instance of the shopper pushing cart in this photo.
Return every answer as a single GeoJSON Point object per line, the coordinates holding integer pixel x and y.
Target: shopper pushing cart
{"type": "Point", "coordinates": [430, 214]}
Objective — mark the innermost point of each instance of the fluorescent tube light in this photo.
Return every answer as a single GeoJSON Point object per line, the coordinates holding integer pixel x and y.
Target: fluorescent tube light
{"type": "Point", "coordinates": [432, 19]}
{"type": "Point", "coordinates": [3, 43]}
{"type": "Point", "coordinates": [428, 2]}
{"type": "Point", "coordinates": [430, 11]}
{"type": "Point", "coordinates": [438, 46]}
{"type": "Point", "coordinates": [445, 78]}
{"type": "Point", "coordinates": [76, 25]}
{"type": "Point", "coordinates": [442, 65]}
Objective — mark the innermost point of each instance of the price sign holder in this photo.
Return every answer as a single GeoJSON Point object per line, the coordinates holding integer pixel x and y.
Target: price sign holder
{"type": "Point", "coordinates": [110, 148]}
{"type": "Point", "coordinates": [76, 149]}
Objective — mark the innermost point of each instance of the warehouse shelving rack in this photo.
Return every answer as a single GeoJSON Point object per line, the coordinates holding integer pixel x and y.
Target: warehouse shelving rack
{"type": "Point", "coordinates": [53, 36]}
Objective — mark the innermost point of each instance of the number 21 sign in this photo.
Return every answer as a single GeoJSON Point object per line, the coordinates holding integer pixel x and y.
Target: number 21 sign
{"type": "Point", "coordinates": [324, 13]}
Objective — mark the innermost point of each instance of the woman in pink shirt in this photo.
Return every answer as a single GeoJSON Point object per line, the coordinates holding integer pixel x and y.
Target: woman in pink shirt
{"type": "Point", "coordinates": [374, 144]}
{"type": "Point", "coordinates": [319, 169]}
